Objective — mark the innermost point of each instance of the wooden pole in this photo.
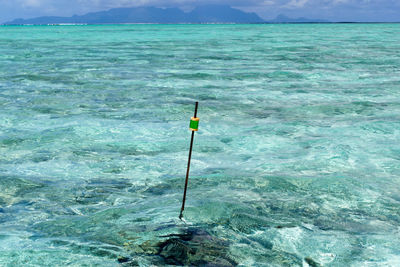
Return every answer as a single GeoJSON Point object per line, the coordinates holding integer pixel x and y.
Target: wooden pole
{"type": "Point", "coordinates": [188, 165]}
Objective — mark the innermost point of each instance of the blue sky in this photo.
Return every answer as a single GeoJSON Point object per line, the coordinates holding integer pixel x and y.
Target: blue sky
{"type": "Point", "coordinates": [333, 10]}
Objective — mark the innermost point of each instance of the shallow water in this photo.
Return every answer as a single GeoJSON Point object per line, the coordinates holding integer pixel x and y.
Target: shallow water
{"type": "Point", "coordinates": [297, 160]}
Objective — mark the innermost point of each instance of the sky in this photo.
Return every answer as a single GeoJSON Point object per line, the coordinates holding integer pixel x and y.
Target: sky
{"type": "Point", "coordinates": [332, 10]}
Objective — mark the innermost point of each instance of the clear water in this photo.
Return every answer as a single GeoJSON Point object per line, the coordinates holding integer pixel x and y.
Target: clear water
{"type": "Point", "coordinates": [297, 161]}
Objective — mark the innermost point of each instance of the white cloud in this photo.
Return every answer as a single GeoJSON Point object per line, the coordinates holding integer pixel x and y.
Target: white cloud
{"type": "Point", "coordinates": [296, 4]}
{"type": "Point", "coordinates": [268, 3]}
{"type": "Point", "coordinates": [31, 3]}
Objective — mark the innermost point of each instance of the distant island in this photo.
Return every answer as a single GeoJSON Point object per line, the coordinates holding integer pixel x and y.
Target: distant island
{"type": "Point", "coordinates": [201, 14]}
{"type": "Point", "coordinates": [284, 19]}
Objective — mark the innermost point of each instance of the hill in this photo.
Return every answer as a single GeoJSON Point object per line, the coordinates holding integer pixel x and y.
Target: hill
{"type": "Point", "coordinates": [201, 14]}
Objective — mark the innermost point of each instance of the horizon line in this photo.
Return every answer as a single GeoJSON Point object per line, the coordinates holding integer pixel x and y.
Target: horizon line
{"type": "Point", "coordinates": [203, 23]}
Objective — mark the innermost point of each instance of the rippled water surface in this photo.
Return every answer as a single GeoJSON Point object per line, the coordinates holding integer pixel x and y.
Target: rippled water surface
{"type": "Point", "coordinates": [296, 163]}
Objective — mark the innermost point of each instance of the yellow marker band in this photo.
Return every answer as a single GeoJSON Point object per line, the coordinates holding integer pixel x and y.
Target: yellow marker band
{"type": "Point", "coordinates": [194, 124]}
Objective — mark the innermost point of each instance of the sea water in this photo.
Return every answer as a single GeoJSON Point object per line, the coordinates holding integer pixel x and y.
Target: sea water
{"type": "Point", "coordinates": [296, 161]}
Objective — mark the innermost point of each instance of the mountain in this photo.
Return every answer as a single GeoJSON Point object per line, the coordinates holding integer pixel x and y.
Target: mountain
{"type": "Point", "coordinates": [284, 19]}
{"type": "Point", "coordinates": [201, 14]}
{"type": "Point", "coordinates": [222, 14]}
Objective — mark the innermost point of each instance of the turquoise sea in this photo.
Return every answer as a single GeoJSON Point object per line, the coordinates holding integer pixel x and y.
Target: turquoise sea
{"type": "Point", "coordinates": [296, 163]}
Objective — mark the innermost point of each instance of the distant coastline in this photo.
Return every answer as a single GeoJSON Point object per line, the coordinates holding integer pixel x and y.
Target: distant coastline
{"type": "Point", "coordinates": [207, 14]}
{"type": "Point", "coordinates": [263, 23]}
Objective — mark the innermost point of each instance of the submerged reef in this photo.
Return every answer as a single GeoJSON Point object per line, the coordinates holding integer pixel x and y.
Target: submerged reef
{"type": "Point", "coordinates": [194, 246]}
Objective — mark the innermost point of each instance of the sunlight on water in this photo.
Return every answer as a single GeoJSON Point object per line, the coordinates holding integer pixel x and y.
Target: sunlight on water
{"type": "Point", "coordinates": [297, 160]}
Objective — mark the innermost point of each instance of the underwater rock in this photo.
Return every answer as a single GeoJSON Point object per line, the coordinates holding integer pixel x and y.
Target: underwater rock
{"type": "Point", "coordinates": [195, 247]}
{"type": "Point", "coordinates": [311, 262]}
{"type": "Point", "coordinates": [126, 261]}
{"type": "Point", "coordinates": [122, 259]}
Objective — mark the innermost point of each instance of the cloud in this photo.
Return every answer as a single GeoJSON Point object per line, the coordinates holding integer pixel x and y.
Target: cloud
{"type": "Point", "coordinates": [31, 3]}
{"type": "Point", "coordinates": [339, 1]}
{"type": "Point", "coordinates": [295, 4]}
{"type": "Point", "coordinates": [93, 4]}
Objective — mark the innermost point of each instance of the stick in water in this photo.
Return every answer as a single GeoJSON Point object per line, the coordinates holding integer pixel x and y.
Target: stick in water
{"type": "Point", "coordinates": [194, 126]}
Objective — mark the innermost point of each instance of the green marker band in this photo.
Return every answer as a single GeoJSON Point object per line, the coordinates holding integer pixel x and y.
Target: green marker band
{"type": "Point", "coordinates": [194, 124]}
